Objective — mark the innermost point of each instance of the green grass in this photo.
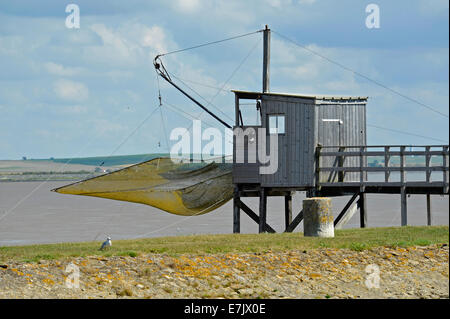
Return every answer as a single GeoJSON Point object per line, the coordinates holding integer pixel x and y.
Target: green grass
{"type": "Point", "coordinates": [354, 239]}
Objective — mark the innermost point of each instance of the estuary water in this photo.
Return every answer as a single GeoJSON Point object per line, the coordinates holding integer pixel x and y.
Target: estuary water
{"type": "Point", "coordinates": [34, 214]}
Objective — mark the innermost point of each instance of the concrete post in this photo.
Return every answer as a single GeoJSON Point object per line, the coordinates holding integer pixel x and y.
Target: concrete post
{"type": "Point", "coordinates": [318, 217]}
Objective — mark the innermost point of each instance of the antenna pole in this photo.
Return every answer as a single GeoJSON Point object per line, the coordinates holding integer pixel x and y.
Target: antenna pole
{"type": "Point", "coordinates": [266, 60]}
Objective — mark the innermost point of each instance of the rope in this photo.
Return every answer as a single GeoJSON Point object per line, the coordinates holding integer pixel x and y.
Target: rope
{"type": "Point", "coordinates": [225, 83]}
{"type": "Point", "coordinates": [210, 43]}
{"type": "Point", "coordinates": [362, 76]}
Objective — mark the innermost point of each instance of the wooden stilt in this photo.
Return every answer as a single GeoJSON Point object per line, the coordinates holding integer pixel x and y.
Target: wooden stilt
{"type": "Point", "coordinates": [429, 217]}
{"type": "Point", "coordinates": [236, 211]}
{"type": "Point", "coordinates": [262, 209]}
{"type": "Point", "coordinates": [255, 217]}
{"type": "Point", "coordinates": [344, 216]}
{"type": "Point", "coordinates": [288, 210]}
{"type": "Point", "coordinates": [403, 195]}
{"type": "Point", "coordinates": [404, 207]}
{"type": "Point", "coordinates": [294, 223]}
{"type": "Point", "coordinates": [362, 210]}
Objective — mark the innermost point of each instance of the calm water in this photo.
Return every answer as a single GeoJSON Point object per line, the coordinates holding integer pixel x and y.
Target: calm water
{"type": "Point", "coordinates": [41, 216]}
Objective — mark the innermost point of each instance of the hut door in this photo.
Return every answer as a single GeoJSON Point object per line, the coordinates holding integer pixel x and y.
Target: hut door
{"type": "Point", "coordinates": [331, 133]}
{"type": "Point", "coordinates": [291, 120]}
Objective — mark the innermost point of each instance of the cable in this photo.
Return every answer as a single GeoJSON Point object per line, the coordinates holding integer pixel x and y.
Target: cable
{"type": "Point", "coordinates": [229, 78]}
{"type": "Point", "coordinates": [363, 76]}
{"type": "Point", "coordinates": [210, 43]}
{"type": "Point", "coordinates": [406, 133]}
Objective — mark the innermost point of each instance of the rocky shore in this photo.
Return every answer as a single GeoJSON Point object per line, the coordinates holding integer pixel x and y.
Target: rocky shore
{"type": "Point", "coordinates": [383, 272]}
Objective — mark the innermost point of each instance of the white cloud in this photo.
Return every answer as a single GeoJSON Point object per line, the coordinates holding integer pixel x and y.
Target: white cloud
{"type": "Point", "coordinates": [279, 3]}
{"type": "Point", "coordinates": [60, 70]}
{"type": "Point", "coordinates": [154, 38]}
{"type": "Point", "coordinates": [306, 1]}
{"type": "Point", "coordinates": [104, 127]}
{"type": "Point", "coordinates": [70, 90]}
{"type": "Point", "coordinates": [11, 45]}
{"type": "Point", "coordinates": [129, 45]}
{"type": "Point", "coordinates": [187, 6]}
{"type": "Point", "coordinates": [438, 7]}
{"type": "Point", "coordinates": [112, 39]}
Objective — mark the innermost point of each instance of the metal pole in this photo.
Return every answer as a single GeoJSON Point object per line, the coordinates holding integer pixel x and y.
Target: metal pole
{"type": "Point", "coordinates": [266, 60]}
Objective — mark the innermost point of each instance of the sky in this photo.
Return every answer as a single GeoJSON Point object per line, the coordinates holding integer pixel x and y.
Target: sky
{"type": "Point", "coordinates": [93, 91]}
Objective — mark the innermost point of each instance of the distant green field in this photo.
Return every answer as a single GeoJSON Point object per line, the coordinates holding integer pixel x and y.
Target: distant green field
{"type": "Point", "coordinates": [111, 160]}
{"type": "Point", "coordinates": [139, 158]}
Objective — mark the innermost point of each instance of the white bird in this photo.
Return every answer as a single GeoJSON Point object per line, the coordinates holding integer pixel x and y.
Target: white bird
{"type": "Point", "coordinates": [106, 244]}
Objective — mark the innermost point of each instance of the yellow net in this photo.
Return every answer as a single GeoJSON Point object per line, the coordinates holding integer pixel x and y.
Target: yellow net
{"type": "Point", "coordinates": [178, 188]}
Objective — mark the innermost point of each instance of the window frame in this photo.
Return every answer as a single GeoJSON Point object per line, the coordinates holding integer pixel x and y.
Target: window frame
{"type": "Point", "coordinates": [276, 116]}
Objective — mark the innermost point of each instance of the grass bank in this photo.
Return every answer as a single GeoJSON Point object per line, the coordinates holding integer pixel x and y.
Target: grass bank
{"type": "Point", "coordinates": [355, 239]}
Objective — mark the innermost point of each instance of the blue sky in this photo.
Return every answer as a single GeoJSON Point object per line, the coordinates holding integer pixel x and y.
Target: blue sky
{"type": "Point", "coordinates": [82, 92]}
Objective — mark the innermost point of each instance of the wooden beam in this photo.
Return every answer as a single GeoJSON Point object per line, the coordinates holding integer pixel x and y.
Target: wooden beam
{"type": "Point", "coordinates": [294, 223]}
{"type": "Point", "coordinates": [344, 211]}
{"type": "Point", "coordinates": [255, 217]}
{"type": "Point", "coordinates": [288, 210]}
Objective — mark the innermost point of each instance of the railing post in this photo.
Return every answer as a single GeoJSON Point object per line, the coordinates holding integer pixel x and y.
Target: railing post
{"type": "Point", "coordinates": [361, 169]}
{"type": "Point", "coordinates": [445, 164]}
{"type": "Point", "coordinates": [341, 164]}
{"type": "Point", "coordinates": [428, 163]}
{"type": "Point", "coordinates": [387, 158]}
{"type": "Point", "coordinates": [428, 180]}
{"type": "Point", "coordinates": [318, 150]}
{"type": "Point", "coordinates": [404, 210]}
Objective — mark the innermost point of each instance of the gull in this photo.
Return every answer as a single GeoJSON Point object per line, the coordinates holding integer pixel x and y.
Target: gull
{"type": "Point", "coordinates": [106, 243]}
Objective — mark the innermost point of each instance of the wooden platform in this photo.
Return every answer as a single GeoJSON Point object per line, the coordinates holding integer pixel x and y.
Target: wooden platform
{"type": "Point", "coordinates": [341, 179]}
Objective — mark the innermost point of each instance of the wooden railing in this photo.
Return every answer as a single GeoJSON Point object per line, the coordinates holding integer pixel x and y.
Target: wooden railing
{"type": "Point", "coordinates": [349, 165]}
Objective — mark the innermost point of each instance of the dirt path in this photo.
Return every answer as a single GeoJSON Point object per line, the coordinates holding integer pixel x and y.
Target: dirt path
{"type": "Point", "coordinates": [416, 272]}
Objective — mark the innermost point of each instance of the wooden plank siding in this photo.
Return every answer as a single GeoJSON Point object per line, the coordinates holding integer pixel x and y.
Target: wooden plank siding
{"type": "Point", "coordinates": [304, 130]}
{"type": "Point", "coordinates": [296, 146]}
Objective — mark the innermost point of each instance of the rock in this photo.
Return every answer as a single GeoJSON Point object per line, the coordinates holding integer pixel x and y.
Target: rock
{"type": "Point", "coordinates": [239, 278]}
{"type": "Point", "coordinates": [139, 286]}
{"type": "Point", "coordinates": [169, 270]}
{"type": "Point", "coordinates": [246, 291]}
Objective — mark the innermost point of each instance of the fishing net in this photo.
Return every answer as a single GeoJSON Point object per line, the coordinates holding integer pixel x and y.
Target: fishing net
{"type": "Point", "coordinates": [178, 188]}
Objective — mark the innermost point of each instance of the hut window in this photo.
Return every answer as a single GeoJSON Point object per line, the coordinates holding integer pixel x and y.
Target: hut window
{"type": "Point", "coordinates": [276, 124]}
